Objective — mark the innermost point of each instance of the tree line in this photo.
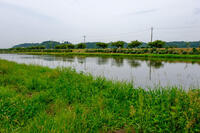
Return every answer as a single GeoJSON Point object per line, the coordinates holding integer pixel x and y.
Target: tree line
{"type": "Point", "coordinates": [102, 45]}
{"type": "Point", "coordinates": [117, 44]}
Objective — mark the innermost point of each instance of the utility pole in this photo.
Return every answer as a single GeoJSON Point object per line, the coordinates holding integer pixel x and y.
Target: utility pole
{"type": "Point", "coordinates": [151, 34]}
{"type": "Point", "coordinates": [84, 38]}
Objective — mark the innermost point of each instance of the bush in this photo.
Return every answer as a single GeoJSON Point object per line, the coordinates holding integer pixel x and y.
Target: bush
{"type": "Point", "coordinates": [184, 52]}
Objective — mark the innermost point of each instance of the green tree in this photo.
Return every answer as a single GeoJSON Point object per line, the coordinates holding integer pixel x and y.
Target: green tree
{"type": "Point", "coordinates": [118, 44]}
{"type": "Point", "coordinates": [187, 44]}
{"type": "Point", "coordinates": [63, 46]}
{"type": "Point", "coordinates": [57, 47]}
{"type": "Point", "coordinates": [81, 45]}
{"type": "Point", "coordinates": [134, 44]}
{"type": "Point", "coordinates": [102, 45]}
{"type": "Point", "coordinates": [156, 44]}
{"type": "Point", "coordinates": [199, 44]}
{"type": "Point", "coordinates": [41, 47]}
{"type": "Point", "coordinates": [70, 46]}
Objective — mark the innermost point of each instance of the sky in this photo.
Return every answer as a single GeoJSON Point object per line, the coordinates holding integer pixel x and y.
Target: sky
{"type": "Point", "coordinates": [24, 21]}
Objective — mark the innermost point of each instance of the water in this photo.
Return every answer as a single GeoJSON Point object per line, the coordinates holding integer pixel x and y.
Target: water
{"type": "Point", "coordinates": [141, 72]}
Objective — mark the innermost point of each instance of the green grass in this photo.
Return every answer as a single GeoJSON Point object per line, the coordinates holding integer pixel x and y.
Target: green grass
{"type": "Point", "coordinates": [40, 99]}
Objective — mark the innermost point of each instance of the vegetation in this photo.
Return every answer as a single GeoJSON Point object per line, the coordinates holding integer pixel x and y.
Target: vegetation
{"type": "Point", "coordinates": [166, 51]}
{"type": "Point", "coordinates": [40, 99]}
{"type": "Point", "coordinates": [188, 44]}
{"type": "Point", "coordinates": [134, 44]}
{"type": "Point", "coordinates": [157, 44]}
{"type": "Point", "coordinates": [46, 44]}
{"type": "Point", "coordinates": [70, 46]}
{"type": "Point", "coordinates": [81, 46]}
{"type": "Point", "coordinates": [65, 46]}
{"type": "Point", "coordinates": [35, 47]}
{"type": "Point", "coordinates": [28, 50]}
{"type": "Point", "coordinates": [118, 44]}
{"type": "Point", "coordinates": [92, 45]}
{"type": "Point", "coordinates": [102, 45]}
{"type": "Point", "coordinates": [157, 48]}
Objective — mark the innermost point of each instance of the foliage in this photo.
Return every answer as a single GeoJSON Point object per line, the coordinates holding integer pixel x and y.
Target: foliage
{"type": "Point", "coordinates": [102, 45]}
{"type": "Point", "coordinates": [65, 46]}
{"type": "Point", "coordinates": [182, 44]}
{"type": "Point", "coordinates": [187, 44]}
{"type": "Point", "coordinates": [92, 45]}
{"type": "Point", "coordinates": [70, 46]}
{"type": "Point", "coordinates": [46, 44]}
{"type": "Point", "coordinates": [156, 44]}
{"type": "Point", "coordinates": [81, 45]}
{"type": "Point", "coordinates": [37, 47]}
{"type": "Point", "coordinates": [118, 44]}
{"type": "Point", "coordinates": [134, 44]}
{"type": "Point", "coordinates": [40, 99]}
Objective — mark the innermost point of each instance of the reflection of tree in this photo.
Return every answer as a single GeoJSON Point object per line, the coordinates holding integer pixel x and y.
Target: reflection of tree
{"type": "Point", "coordinates": [118, 61]}
{"type": "Point", "coordinates": [50, 58]}
{"type": "Point", "coordinates": [81, 59]}
{"type": "Point", "coordinates": [68, 58]}
{"type": "Point", "coordinates": [134, 63]}
{"type": "Point", "coordinates": [102, 60]}
{"type": "Point", "coordinates": [155, 64]}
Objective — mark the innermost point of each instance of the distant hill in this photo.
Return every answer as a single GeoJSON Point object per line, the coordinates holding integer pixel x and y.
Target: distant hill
{"type": "Point", "coordinates": [47, 44]}
{"type": "Point", "coordinates": [182, 44]}
{"type": "Point", "coordinates": [90, 45]}
{"type": "Point", "coordinates": [177, 44]}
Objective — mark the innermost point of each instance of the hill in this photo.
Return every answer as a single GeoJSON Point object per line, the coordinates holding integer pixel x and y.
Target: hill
{"type": "Point", "coordinates": [176, 44]}
{"type": "Point", "coordinates": [47, 44]}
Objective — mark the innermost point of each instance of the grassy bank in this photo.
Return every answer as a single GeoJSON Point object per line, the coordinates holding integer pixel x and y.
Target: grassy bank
{"type": "Point", "coordinates": [181, 53]}
{"type": "Point", "coordinates": [40, 99]}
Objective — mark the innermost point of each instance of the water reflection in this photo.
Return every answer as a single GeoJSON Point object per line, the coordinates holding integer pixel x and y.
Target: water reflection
{"type": "Point", "coordinates": [117, 61]}
{"type": "Point", "coordinates": [102, 60]}
{"type": "Point", "coordinates": [149, 73]}
{"type": "Point", "coordinates": [67, 58]}
{"type": "Point", "coordinates": [155, 64]}
{"type": "Point", "coordinates": [81, 59]}
{"type": "Point", "coordinates": [134, 63]}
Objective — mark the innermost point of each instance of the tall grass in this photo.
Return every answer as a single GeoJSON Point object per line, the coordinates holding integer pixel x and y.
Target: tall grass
{"type": "Point", "coordinates": [40, 99]}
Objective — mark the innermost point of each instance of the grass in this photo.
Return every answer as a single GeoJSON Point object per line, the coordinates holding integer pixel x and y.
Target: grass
{"type": "Point", "coordinates": [175, 56]}
{"type": "Point", "coordinates": [40, 99]}
{"type": "Point", "coordinates": [177, 53]}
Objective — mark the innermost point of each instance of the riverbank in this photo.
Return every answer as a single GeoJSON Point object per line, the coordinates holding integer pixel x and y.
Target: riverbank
{"type": "Point", "coordinates": [40, 99]}
{"type": "Point", "coordinates": [169, 56]}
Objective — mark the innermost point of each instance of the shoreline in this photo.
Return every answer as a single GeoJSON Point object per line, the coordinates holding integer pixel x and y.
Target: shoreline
{"type": "Point", "coordinates": [175, 56]}
{"type": "Point", "coordinates": [41, 99]}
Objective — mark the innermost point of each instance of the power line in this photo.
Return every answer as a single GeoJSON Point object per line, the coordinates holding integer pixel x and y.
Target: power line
{"type": "Point", "coordinates": [153, 29]}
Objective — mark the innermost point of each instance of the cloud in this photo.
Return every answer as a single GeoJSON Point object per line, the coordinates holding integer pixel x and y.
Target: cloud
{"type": "Point", "coordinates": [197, 11]}
{"type": "Point", "coordinates": [143, 12]}
{"type": "Point", "coordinates": [25, 11]}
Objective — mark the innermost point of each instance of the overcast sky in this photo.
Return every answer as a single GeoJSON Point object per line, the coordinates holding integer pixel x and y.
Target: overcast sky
{"type": "Point", "coordinates": [100, 20]}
